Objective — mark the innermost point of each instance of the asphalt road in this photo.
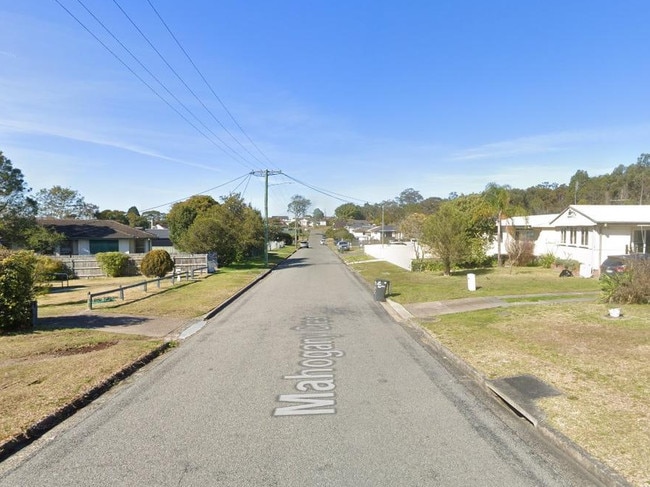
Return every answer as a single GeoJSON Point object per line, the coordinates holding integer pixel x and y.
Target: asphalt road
{"type": "Point", "coordinates": [304, 381]}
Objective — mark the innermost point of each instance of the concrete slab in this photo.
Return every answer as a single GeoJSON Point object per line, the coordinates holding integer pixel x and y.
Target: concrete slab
{"type": "Point", "coordinates": [157, 327]}
{"type": "Point", "coordinates": [435, 308]}
{"type": "Point", "coordinates": [520, 392]}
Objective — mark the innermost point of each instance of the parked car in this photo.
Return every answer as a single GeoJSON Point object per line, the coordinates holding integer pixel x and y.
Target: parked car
{"type": "Point", "coordinates": [615, 264]}
{"type": "Point", "coordinates": [343, 245]}
{"type": "Point", "coordinates": [323, 241]}
{"type": "Point", "coordinates": [303, 244]}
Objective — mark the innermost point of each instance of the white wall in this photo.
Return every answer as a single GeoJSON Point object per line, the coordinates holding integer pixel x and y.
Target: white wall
{"type": "Point", "coordinates": [400, 255]}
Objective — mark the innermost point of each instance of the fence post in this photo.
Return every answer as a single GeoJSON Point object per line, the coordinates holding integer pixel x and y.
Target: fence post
{"type": "Point", "coordinates": [90, 300]}
{"type": "Point", "coordinates": [121, 293]}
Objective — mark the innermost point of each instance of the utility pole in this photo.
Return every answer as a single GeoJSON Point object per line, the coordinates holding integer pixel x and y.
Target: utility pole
{"type": "Point", "coordinates": [266, 173]}
{"type": "Point", "coordinates": [382, 226]}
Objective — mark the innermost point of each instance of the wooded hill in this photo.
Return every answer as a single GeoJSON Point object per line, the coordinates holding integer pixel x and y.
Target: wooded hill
{"type": "Point", "coordinates": [626, 185]}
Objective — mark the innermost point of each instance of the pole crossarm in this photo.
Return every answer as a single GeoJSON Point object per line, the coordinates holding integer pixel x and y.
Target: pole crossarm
{"type": "Point", "coordinates": [265, 172]}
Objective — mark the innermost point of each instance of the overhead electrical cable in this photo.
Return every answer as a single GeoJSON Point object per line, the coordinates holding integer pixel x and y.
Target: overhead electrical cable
{"type": "Point", "coordinates": [180, 78]}
{"type": "Point", "coordinates": [223, 105]}
{"type": "Point", "coordinates": [144, 82]}
{"type": "Point", "coordinates": [162, 85]}
{"type": "Point", "coordinates": [331, 194]}
{"type": "Point", "coordinates": [247, 175]}
{"type": "Point", "coordinates": [247, 182]}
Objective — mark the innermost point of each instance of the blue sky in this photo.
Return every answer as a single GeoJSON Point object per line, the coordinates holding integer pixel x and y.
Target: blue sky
{"type": "Point", "coordinates": [362, 99]}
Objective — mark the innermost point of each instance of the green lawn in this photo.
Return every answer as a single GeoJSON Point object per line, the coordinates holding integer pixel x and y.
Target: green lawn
{"type": "Point", "coordinates": [416, 287]}
{"type": "Point", "coordinates": [601, 365]}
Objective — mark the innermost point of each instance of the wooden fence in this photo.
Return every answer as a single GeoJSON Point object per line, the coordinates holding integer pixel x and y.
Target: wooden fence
{"type": "Point", "coordinates": [86, 266]}
{"type": "Point", "coordinates": [175, 278]}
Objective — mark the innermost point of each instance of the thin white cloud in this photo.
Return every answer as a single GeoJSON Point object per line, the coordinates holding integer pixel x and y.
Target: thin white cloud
{"type": "Point", "coordinates": [30, 128]}
{"type": "Point", "coordinates": [547, 143]}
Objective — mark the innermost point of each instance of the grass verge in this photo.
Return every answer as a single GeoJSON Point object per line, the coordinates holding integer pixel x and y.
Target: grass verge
{"type": "Point", "coordinates": [600, 364]}
{"type": "Point", "coordinates": [45, 371]}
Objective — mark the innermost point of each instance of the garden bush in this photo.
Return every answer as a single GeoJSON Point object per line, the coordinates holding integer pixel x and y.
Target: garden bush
{"type": "Point", "coordinates": [629, 287]}
{"type": "Point", "coordinates": [546, 260]}
{"type": "Point", "coordinates": [424, 265]}
{"type": "Point", "coordinates": [45, 268]}
{"type": "Point", "coordinates": [571, 264]}
{"type": "Point", "coordinates": [521, 252]}
{"type": "Point", "coordinates": [16, 290]}
{"type": "Point", "coordinates": [157, 263]}
{"type": "Point", "coordinates": [113, 264]}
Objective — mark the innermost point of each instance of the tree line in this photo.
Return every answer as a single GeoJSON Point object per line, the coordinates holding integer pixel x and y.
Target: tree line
{"type": "Point", "coordinates": [235, 230]}
{"type": "Point", "coordinates": [626, 185]}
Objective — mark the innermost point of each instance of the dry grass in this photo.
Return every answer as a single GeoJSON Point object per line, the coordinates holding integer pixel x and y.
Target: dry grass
{"type": "Point", "coordinates": [43, 371]}
{"type": "Point", "coordinates": [601, 365]}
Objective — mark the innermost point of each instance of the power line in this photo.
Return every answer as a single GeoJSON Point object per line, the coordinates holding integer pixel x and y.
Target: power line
{"type": "Point", "coordinates": [331, 194]}
{"type": "Point", "coordinates": [247, 175]}
{"type": "Point", "coordinates": [208, 84]}
{"type": "Point", "coordinates": [135, 58]}
{"type": "Point", "coordinates": [140, 78]}
{"type": "Point", "coordinates": [180, 78]}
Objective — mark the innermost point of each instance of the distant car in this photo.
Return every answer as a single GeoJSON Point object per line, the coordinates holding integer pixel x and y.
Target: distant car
{"type": "Point", "coordinates": [615, 264]}
{"type": "Point", "coordinates": [343, 245]}
{"type": "Point", "coordinates": [323, 241]}
{"type": "Point", "coordinates": [304, 244]}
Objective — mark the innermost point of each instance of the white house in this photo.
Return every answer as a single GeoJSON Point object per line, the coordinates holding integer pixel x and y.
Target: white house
{"type": "Point", "coordinates": [534, 228]}
{"type": "Point", "coordinates": [585, 233]}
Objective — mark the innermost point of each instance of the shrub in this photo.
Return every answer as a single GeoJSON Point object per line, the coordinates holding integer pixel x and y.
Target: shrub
{"type": "Point", "coordinates": [572, 265]}
{"type": "Point", "coordinates": [546, 260]}
{"type": "Point", "coordinates": [424, 265]}
{"type": "Point", "coordinates": [521, 252]}
{"type": "Point", "coordinates": [157, 263]}
{"type": "Point", "coordinates": [479, 262]}
{"type": "Point", "coordinates": [629, 287]}
{"type": "Point", "coordinates": [16, 290]}
{"type": "Point", "coordinates": [46, 267]}
{"type": "Point", "coordinates": [113, 264]}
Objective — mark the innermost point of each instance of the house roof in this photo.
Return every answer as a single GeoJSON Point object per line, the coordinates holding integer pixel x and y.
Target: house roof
{"type": "Point", "coordinates": [630, 214]}
{"type": "Point", "coordinates": [93, 229]}
{"type": "Point", "coordinates": [159, 232]}
{"type": "Point", "coordinates": [385, 229]}
{"type": "Point", "coordinates": [536, 221]}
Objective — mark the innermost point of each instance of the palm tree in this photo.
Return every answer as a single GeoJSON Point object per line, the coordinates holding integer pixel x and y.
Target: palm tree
{"type": "Point", "coordinates": [498, 197]}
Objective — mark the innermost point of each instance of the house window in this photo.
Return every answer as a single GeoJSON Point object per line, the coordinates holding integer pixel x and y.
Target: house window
{"type": "Point", "coordinates": [578, 236]}
{"type": "Point", "coordinates": [97, 246]}
{"type": "Point", "coordinates": [573, 236]}
{"type": "Point", "coordinates": [140, 246]}
{"type": "Point", "coordinates": [528, 235]}
{"type": "Point", "coordinates": [65, 248]}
